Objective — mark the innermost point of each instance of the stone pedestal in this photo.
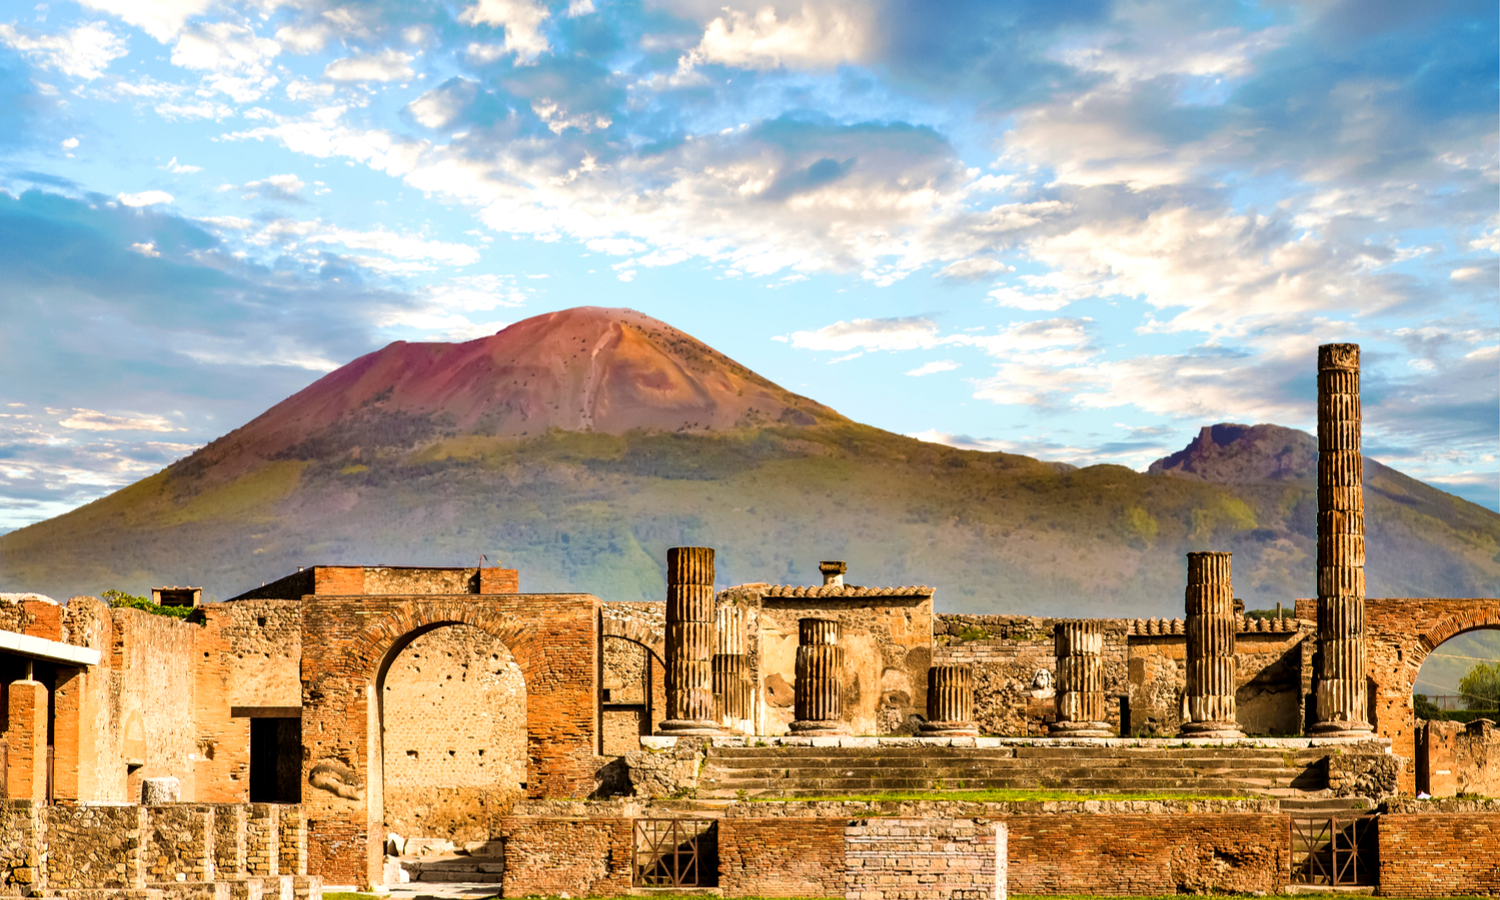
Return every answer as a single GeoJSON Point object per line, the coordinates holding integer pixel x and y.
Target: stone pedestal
{"type": "Point", "coordinates": [690, 642]}
{"type": "Point", "coordinates": [950, 702]}
{"type": "Point", "coordinates": [1210, 648]}
{"type": "Point", "coordinates": [733, 690]}
{"type": "Point", "coordinates": [820, 679]}
{"type": "Point", "coordinates": [1340, 677]}
{"type": "Point", "coordinates": [1079, 646]}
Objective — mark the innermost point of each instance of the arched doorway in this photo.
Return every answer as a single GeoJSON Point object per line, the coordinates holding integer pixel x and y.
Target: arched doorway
{"type": "Point", "coordinates": [452, 734]}
{"type": "Point", "coordinates": [633, 698]}
{"type": "Point", "coordinates": [1454, 752]}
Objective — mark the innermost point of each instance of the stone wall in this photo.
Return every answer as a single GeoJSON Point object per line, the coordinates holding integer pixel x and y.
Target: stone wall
{"type": "Point", "coordinates": [263, 647]}
{"type": "Point", "coordinates": [95, 846]}
{"type": "Point", "coordinates": [1008, 653]}
{"type": "Point", "coordinates": [578, 857]}
{"type": "Point", "coordinates": [634, 691]}
{"type": "Point", "coordinates": [925, 859]}
{"type": "Point", "coordinates": [887, 640]}
{"type": "Point", "coordinates": [454, 713]}
{"type": "Point", "coordinates": [153, 661]}
{"type": "Point", "coordinates": [785, 857]}
{"type": "Point", "coordinates": [179, 842]}
{"type": "Point", "coordinates": [20, 842]}
{"type": "Point", "coordinates": [1439, 855]}
{"type": "Point", "coordinates": [1453, 758]}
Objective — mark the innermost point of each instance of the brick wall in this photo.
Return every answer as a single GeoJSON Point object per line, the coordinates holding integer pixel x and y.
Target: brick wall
{"type": "Point", "coordinates": [447, 776]}
{"type": "Point", "coordinates": [924, 859]}
{"type": "Point", "coordinates": [1439, 855]}
{"type": "Point", "coordinates": [580, 857]}
{"type": "Point", "coordinates": [346, 642]}
{"type": "Point", "coordinates": [790, 857]}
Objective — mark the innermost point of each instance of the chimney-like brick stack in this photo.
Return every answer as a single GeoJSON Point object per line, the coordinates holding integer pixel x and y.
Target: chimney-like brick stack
{"type": "Point", "coordinates": [820, 678]}
{"type": "Point", "coordinates": [1340, 689]}
{"type": "Point", "coordinates": [1079, 645]}
{"type": "Point", "coordinates": [690, 642]}
{"type": "Point", "coordinates": [1211, 628]}
{"type": "Point", "coordinates": [950, 701]}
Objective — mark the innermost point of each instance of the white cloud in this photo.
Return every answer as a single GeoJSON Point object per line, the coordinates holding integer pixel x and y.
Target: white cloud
{"type": "Point", "coordinates": [145, 198]}
{"type": "Point", "coordinates": [234, 56]}
{"type": "Point", "coordinates": [578, 8]}
{"type": "Point", "coordinates": [388, 65]}
{"type": "Point", "coordinates": [82, 52]}
{"type": "Point", "coordinates": [275, 187]}
{"type": "Point", "coordinates": [814, 37]}
{"type": "Point", "coordinates": [162, 19]}
{"type": "Point", "coordinates": [177, 168]}
{"type": "Point", "coordinates": [70, 144]}
{"type": "Point", "coordinates": [932, 368]}
{"type": "Point", "coordinates": [93, 420]}
{"type": "Point", "coordinates": [910, 333]}
{"type": "Point", "coordinates": [522, 21]}
{"type": "Point", "coordinates": [205, 109]}
{"type": "Point", "coordinates": [441, 106]}
{"type": "Point", "coordinates": [146, 249]}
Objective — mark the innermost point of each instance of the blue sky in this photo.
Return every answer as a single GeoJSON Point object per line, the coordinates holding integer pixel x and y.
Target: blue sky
{"type": "Point", "coordinates": [1077, 230]}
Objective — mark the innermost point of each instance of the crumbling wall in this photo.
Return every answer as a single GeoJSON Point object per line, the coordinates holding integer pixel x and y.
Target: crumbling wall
{"type": "Point", "coordinates": [781, 857]}
{"type": "Point", "coordinates": [887, 641]}
{"type": "Point", "coordinates": [263, 651]}
{"type": "Point", "coordinates": [21, 840]}
{"type": "Point", "coordinates": [1453, 758]}
{"type": "Point", "coordinates": [154, 661]}
{"type": "Point", "coordinates": [454, 710]}
{"type": "Point", "coordinates": [634, 690]}
{"type": "Point", "coordinates": [579, 857]}
{"type": "Point", "coordinates": [95, 846]}
{"type": "Point", "coordinates": [1015, 667]}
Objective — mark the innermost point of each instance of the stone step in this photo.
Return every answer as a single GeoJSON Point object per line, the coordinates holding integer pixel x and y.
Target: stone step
{"type": "Point", "coordinates": [1110, 785]}
{"type": "Point", "coordinates": [947, 762]}
{"type": "Point", "coordinates": [449, 869]}
{"type": "Point", "coordinates": [1022, 750]}
{"type": "Point", "coordinates": [1245, 776]}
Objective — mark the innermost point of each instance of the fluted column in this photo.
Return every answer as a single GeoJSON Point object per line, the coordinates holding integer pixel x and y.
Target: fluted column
{"type": "Point", "coordinates": [820, 678]}
{"type": "Point", "coordinates": [1079, 644]}
{"type": "Point", "coordinates": [1210, 648]}
{"type": "Point", "coordinates": [690, 642]}
{"type": "Point", "coordinates": [1340, 689]}
{"type": "Point", "coordinates": [732, 687]}
{"type": "Point", "coordinates": [950, 702]}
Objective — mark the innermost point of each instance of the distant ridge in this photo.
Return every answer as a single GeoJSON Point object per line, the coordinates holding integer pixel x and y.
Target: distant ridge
{"type": "Point", "coordinates": [577, 446]}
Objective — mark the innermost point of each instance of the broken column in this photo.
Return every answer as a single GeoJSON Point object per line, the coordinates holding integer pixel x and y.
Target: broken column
{"type": "Point", "coordinates": [1079, 644]}
{"type": "Point", "coordinates": [1211, 629]}
{"type": "Point", "coordinates": [1340, 688]}
{"type": "Point", "coordinates": [690, 642]}
{"type": "Point", "coordinates": [950, 702]}
{"type": "Point", "coordinates": [820, 678]}
{"type": "Point", "coordinates": [732, 686]}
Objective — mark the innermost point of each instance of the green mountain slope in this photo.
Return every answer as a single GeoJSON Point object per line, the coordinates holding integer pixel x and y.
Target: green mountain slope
{"type": "Point", "coordinates": [773, 492]}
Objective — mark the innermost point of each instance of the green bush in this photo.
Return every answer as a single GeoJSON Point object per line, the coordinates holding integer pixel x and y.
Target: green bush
{"type": "Point", "coordinates": [122, 600]}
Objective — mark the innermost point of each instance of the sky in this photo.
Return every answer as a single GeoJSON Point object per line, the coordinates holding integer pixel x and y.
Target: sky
{"type": "Point", "coordinates": [1079, 230]}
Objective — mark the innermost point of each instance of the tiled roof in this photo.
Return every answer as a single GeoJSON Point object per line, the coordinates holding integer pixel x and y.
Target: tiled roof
{"type": "Point", "coordinates": [832, 591]}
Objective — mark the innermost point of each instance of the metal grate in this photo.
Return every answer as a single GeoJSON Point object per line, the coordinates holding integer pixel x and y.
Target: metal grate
{"type": "Point", "coordinates": [675, 853]}
{"type": "Point", "coordinates": [1336, 851]}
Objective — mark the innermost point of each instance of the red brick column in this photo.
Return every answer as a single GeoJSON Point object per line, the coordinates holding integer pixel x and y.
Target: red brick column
{"type": "Point", "coordinates": [27, 738]}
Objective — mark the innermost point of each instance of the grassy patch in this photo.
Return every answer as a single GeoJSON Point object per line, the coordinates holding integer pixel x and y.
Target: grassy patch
{"type": "Point", "coordinates": [988, 796]}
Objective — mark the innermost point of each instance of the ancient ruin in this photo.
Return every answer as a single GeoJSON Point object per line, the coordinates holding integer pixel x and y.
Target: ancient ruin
{"type": "Point", "coordinates": [377, 725]}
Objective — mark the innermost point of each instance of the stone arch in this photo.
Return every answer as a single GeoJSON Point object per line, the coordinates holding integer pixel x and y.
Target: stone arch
{"type": "Point", "coordinates": [1456, 625]}
{"type": "Point", "coordinates": [637, 632]}
{"type": "Point", "coordinates": [349, 641]}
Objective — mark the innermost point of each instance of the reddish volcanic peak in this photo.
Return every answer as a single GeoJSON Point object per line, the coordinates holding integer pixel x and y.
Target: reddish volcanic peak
{"type": "Point", "coordinates": [580, 369]}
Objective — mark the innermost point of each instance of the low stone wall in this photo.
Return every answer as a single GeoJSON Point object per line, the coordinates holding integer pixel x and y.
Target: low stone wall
{"type": "Point", "coordinates": [580, 857]}
{"type": "Point", "coordinates": [771, 857]}
{"type": "Point", "coordinates": [179, 843]}
{"type": "Point", "coordinates": [925, 859]}
{"type": "Point", "coordinates": [20, 858]}
{"type": "Point", "coordinates": [1439, 855]}
{"type": "Point", "coordinates": [94, 846]}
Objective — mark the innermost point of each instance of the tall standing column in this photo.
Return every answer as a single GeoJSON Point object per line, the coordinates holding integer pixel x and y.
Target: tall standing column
{"type": "Point", "coordinates": [950, 702]}
{"type": "Point", "coordinates": [1340, 689]}
{"type": "Point", "coordinates": [820, 678]}
{"type": "Point", "coordinates": [690, 642]}
{"type": "Point", "coordinates": [1210, 648]}
{"type": "Point", "coordinates": [1079, 644]}
{"type": "Point", "coordinates": [732, 687]}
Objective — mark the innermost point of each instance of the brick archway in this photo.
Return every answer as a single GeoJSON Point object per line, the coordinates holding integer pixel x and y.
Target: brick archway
{"type": "Point", "coordinates": [348, 642]}
{"type": "Point", "coordinates": [1456, 625]}
{"type": "Point", "coordinates": [638, 633]}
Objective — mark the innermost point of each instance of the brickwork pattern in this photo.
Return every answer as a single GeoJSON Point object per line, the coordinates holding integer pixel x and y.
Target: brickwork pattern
{"type": "Point", "coordinates": [924, 859]}
{"type": "Point", "coordinates": [580, 857]}
{"type": "Point", "coordinates": [1439, 855]}
{"type": "Point", "coordinates": [346, 642]}
{"type": "Point", "coordinates": [791, 857]}
{"type": "Point", "coordinates": [20, 839]}
{"type": "Point", "coordinates": [95, 846]}
{"type": "Point", "coordinates": [179, 842]}
{"type": "Point", "coordinates": [262, 839]}
{"type": "Point", "coordinates": [444, 774]}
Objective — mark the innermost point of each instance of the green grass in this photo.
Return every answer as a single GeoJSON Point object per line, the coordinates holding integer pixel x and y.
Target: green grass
{"type": "Point", "coordinates": [988, 796]}
{"type": "Point", "coordinates": [350, 895]}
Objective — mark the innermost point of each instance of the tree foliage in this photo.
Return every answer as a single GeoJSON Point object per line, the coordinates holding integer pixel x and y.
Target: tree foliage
{"type": "Point", "coordinates": [119, 599]}
{"type": "Point", "coordinates": [1481, 687]}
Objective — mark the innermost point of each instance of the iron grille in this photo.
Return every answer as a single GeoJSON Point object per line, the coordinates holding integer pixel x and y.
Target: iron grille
{"type": "Point", "coordinates": [1337, 851]}
{"type": "Point", "coordinates": [675, 853]}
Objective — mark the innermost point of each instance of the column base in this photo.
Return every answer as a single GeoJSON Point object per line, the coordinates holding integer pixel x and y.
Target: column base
{"type": "Point", "coordinates": [818, 728]}
{"type": "Point", "coordinates": [1341, 728]}
{"type": "Point", "coordinates": [949, 729]}
{"type": "Point", "coordinates": [1227, 730]}
{"type": "Point", "coordinates": [1080, 729]}
{"type": "Point", "coordinates": [679, 727]}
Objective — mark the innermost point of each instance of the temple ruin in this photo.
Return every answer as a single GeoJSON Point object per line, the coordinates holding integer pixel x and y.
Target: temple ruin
{"type": "Point", "coordinates": [379, 725]}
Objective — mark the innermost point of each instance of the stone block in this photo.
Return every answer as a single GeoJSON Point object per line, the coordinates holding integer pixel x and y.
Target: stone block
{"type": "Point", "coordinates": [164, 789]}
